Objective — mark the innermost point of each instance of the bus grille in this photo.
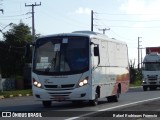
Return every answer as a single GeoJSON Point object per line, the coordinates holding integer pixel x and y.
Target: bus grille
{"type": "Point", "coordinates": [66, 86]}
{"type": "Point", "coordinates": [152, 77]}
{"type": "Point", "coordinates": [60, 94]}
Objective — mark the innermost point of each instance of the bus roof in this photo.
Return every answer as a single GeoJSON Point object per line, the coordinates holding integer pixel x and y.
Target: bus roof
{"type": "Point", "coordinates": [89, 34]}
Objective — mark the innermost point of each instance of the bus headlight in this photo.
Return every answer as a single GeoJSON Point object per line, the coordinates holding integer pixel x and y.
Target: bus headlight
{"type": "Point", "coordinates": [83, 82]}
{"type": "Point", "coordinates": [37, 84]}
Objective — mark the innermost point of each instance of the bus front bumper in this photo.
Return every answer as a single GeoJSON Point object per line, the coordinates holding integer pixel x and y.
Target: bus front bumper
{"type": "Point", "coordinates": [81, 93]}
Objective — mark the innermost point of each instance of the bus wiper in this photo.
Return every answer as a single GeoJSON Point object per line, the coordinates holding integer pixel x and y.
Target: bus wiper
{"type": "Point", "coordinates": [53, 62]}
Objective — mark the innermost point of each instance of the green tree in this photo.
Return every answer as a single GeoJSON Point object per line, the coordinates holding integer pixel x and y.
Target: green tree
{"type": "Point", "coordinates": [18, 35]}
{"type": "Point", "coordinates": [135, 74]}
{"type": "Point", "coordinates": [12, 49]}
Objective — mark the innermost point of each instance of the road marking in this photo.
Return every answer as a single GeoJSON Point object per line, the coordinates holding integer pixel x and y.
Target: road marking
{"type": "Point", "coordinates": [83, 115]}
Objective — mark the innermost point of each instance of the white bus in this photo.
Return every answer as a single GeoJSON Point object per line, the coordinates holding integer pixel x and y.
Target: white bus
{"type": "Point", "coordinates": [79, 66]}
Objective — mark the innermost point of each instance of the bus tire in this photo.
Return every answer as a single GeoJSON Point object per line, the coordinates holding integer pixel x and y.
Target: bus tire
{"type": "Point", "coordinates": [95, 101]}
{"type": "Point", "coordinates": [144, 88]}
{"type": "Point", "coordinates": [77, 102]}
{"type": "Point", "coordinates": [46, 103]}
{"type": "Point", "coordinates": [114, 98]}
{"type": "Point", "coordinates": [153, 88]}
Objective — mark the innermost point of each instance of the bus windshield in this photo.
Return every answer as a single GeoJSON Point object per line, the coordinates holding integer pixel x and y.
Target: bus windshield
{"type": "Point", "coordinates": [61, 55]}
{"type": "Point", "coordinates": [151, 66]}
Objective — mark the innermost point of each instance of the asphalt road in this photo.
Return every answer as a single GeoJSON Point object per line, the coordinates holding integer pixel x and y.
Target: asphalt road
{"type": "Point", "coordinates": [134, 100]}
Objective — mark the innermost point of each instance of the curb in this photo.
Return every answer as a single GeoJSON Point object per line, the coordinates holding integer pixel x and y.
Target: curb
{"type": "Point", "coordinates": [135, 87]}
{"type": "Point", "coordinates": [2, 97]}
{"type": "Point", "coordinates": [11, 96]}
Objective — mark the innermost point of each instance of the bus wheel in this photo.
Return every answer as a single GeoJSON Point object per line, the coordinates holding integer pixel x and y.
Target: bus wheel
{"type": "Point", "coordinates": [114, 98]}
{"type": "Point", "coordinates": [153, 88]}
{"type": "Point", "coordinates": [95, 101]}
{"type": "Point", "coordinates": [46, 103]}
{"type": "Point", "coordinates": [144, 88]}
{"type": "Point", "coordinates": [77, 102]}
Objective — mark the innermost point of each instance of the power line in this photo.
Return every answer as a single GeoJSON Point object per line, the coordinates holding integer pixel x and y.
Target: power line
{"type": "Point", "coordinates": [132, 20]}
{"type": "Point", "coordinates": [68, 20]}
{"type": "Point", "coordinates": [109, 26]}
{"type": "Point", "coordinates": [127, 14]}
{"type": "Point", "coordinates": [104, 25]}
{"type": "Point", "coordinates": [150, 27]}
{"type": "Point", "coordinates": [15, 15]}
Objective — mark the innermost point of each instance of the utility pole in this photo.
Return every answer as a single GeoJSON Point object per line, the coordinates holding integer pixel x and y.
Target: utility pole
{"type": "Point", "coordinates": [104, 30]}
{"type": "Point", "coordinates": [141, 57]}
{"type": "Point", "coordinates": [33, 27]}
{"type": "Point", "coordinates": [91, 20]}
{"type": "Point", "coordinates": [141, 54]}
{"type": "Point", "coordinates": [138, 50]}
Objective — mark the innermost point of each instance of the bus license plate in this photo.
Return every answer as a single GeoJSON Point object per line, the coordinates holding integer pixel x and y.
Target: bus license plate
{"type": "Point", "coordinates": [59, 98]}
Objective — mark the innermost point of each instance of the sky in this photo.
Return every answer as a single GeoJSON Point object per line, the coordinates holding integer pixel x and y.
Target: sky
{"type": "Point", "coordinates": [126, 19]}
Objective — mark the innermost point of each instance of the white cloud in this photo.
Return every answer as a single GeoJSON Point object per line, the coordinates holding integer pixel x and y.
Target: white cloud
{"type": "Point", "coordinates": [81, 10]}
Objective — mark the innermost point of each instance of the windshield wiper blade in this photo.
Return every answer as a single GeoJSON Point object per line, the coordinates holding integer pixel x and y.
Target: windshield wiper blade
{"type": "Point", "coordinates": [54, 61]}
{"type": "Point", "coordinates": [52, 64]}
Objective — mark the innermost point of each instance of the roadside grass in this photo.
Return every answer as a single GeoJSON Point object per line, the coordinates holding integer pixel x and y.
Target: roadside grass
{"type": "Point", "coordinates": [15, 93]}
{"type": "Point", "coordinates": [136, 83]}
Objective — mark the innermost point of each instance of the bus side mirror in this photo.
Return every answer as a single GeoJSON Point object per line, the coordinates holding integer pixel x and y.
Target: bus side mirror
{"type": "Point", "coordinates": [143, 67]}
{"type": "Point", "coordinates": [27, 50]}
{"type": "Point", "coordinates": [96, 51]}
